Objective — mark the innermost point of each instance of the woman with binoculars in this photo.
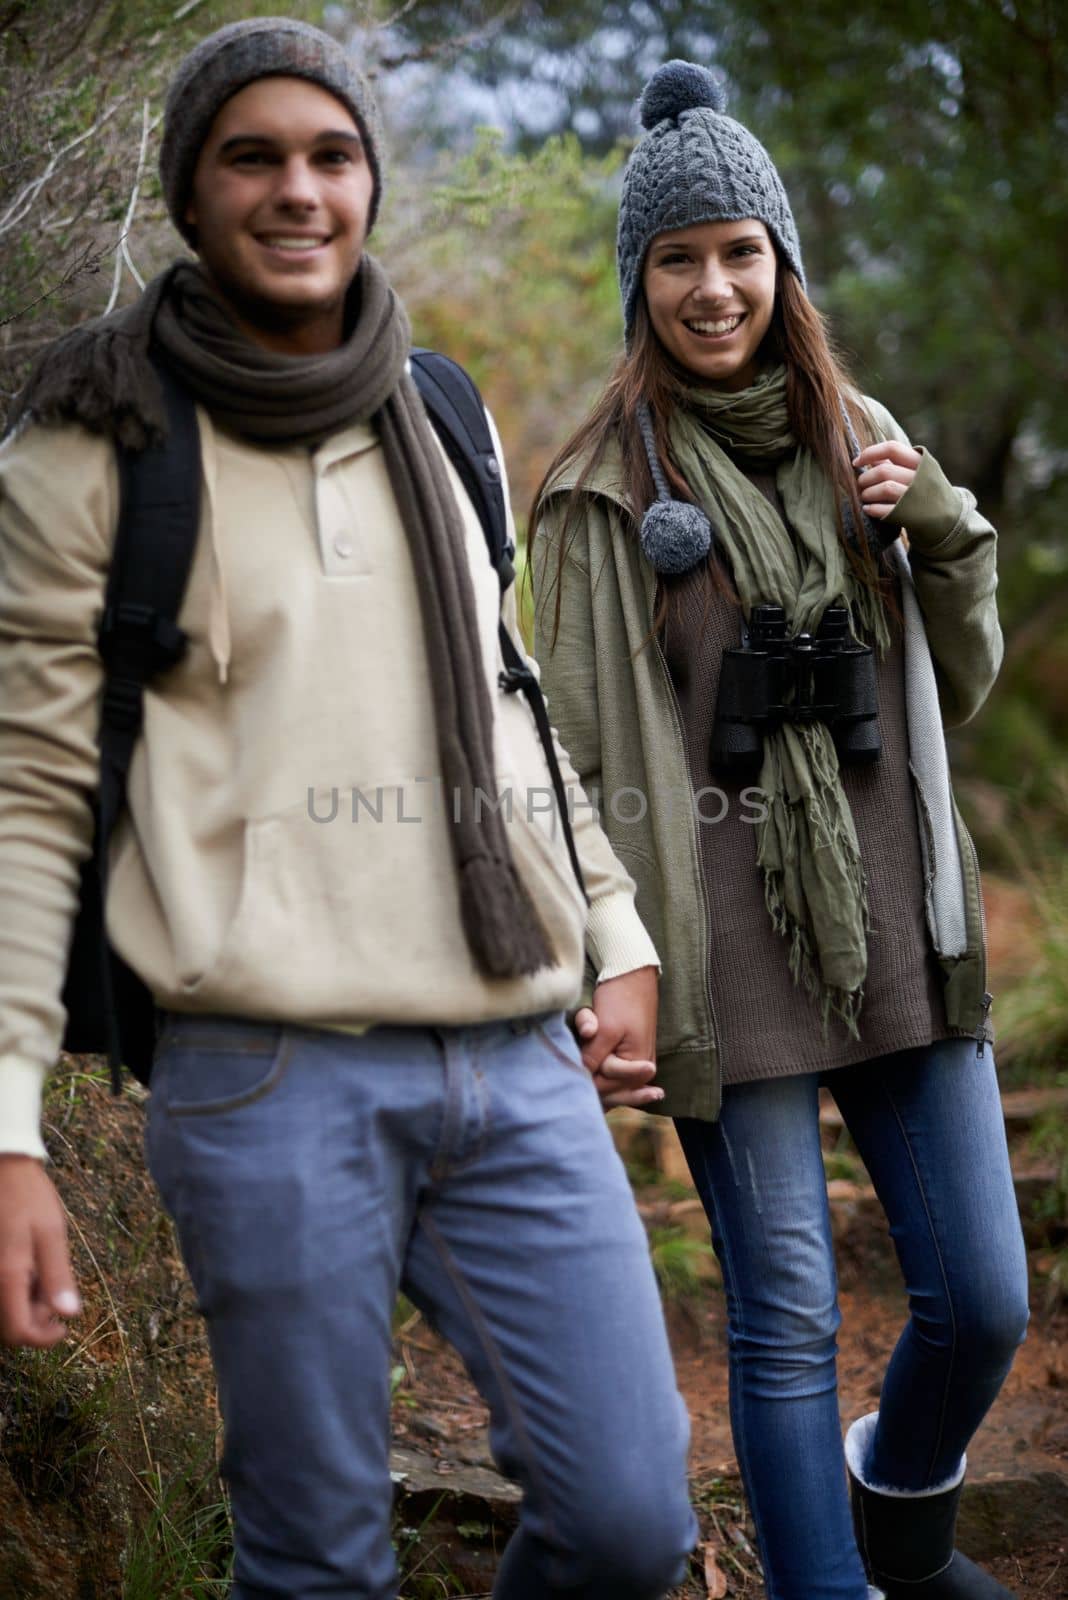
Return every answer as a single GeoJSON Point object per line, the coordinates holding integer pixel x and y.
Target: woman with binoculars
{"type": "Point", "coordinates": [724, 602]}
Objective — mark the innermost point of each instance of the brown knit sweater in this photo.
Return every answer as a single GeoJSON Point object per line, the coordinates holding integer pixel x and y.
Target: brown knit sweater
{"type": "Point", "coordinates": [767, 1027]}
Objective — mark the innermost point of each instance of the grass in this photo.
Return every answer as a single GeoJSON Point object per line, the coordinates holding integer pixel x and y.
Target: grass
{"type": "Point", "coordinates": [61, 1426]}
{"type": "Point", "coordinates": [56, 1425]}
{"type": "Point", "coordinates": [643, 1175]}
{"type": "Point", "coordinates": [1032, 1035]}
{"type": "Point", "coordinates": [183, 1550]}
{"type": "Point", "coordinates": [183, 1547]}
{"type": "Point", "coordinates": [842, 1163]}
{"type": "Point", "coordinates": [1049, 1138]}
{"type": "Point", "coordinates": [425, 1573]}
{"type": "Point", "coordinates": [682, 1264]}
{"type": "Point", "coordinates": [1032, 1013]}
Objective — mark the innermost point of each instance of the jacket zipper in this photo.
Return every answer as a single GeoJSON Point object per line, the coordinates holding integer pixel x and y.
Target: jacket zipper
{"type": "Point", "coordinates": [713, 1030]}
{"type": "Point", "coordinates": [982, 1032]}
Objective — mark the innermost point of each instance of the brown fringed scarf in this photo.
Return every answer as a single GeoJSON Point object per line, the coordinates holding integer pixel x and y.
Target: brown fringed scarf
{"type": "Point", "coordinates": [100, 376]}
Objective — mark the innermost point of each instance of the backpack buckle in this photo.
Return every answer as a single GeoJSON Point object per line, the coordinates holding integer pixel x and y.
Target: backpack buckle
{"type": "Point", "coordinates": [512, 679]}
{"type": "Point", "coordinates": [506, 567]}
{"type": "Point", "coordinates": [135, 643]}
{"type": "Point", "coordinates": [137, 637]}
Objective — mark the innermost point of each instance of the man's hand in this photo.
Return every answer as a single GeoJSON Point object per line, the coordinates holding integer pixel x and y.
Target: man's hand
{"type": "Point", "coordinates": [618, 1038]}
{"type": "Point", "coordinates": [37, 1288]}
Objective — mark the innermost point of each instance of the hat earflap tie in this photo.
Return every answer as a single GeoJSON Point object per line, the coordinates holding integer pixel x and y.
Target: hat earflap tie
{"type": "Point", "coordinates": [675, 534]}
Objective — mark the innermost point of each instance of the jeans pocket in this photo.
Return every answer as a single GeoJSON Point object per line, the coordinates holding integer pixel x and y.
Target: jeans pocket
{"type": "Point", "coordinates": [558, 1039]}
{"type": "Point", "coordinates": [206, 1069]}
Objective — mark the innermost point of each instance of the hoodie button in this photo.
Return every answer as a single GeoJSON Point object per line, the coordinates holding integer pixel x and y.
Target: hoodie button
{"type": "Point", "coordinates": [342, 547]}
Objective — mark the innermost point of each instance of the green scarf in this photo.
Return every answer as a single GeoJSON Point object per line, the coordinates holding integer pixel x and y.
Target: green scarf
{"type": "Point", "coordinates": [807, 845]}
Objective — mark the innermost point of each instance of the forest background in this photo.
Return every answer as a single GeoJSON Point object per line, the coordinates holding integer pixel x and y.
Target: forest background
{"type": "Point", "coordinates": [923, 146]}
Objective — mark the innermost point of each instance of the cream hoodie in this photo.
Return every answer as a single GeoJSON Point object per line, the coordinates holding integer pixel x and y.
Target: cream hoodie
{"type": "Point", "coordinates": [285, 853]}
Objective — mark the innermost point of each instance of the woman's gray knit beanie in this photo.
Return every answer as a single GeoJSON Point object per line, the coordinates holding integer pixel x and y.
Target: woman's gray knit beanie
{"type": "Point", "coordinates": [231, 58]}
{"type": "Point", "coordinates": [694, 165]}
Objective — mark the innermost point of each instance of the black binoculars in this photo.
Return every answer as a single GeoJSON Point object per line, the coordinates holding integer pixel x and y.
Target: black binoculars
{"type": "Point", "coordinates": [826, 676]}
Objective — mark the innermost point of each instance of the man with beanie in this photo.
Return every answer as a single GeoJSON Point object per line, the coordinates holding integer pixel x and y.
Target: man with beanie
{"type": "Point", "coordinates": [363, 1079]}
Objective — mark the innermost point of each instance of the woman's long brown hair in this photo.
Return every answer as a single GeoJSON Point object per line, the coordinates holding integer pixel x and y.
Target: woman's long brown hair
{"type": "Point", "coordinates": [816, 385]}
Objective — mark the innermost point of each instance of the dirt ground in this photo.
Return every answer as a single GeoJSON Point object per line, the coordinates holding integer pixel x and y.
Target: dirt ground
{"type": "Point", "coordinates": [1025, 1436]}
{"type": "Point", "coordinates": [108, 1448]}
{"type": "Point", "coordinates": [87, 1441]}
{"type": "Point", "coordinates": [1015, 1517]}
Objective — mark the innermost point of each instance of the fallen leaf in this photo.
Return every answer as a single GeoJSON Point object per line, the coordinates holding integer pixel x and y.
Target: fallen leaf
{"type": "Point", "coordinates": [715, 1582]}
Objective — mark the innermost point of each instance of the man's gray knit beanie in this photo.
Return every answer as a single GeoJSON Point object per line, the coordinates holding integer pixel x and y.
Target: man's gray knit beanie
{"type": "Point", "coordinates": [231, 58]}
{"type": "Point", "coordinates": [694, 165]}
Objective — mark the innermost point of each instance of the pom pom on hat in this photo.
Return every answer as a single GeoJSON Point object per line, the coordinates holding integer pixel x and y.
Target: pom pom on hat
{"type": "Point", "coordinates": [675, 536]}
{"type": "Point", "coordinates": [679, 86]}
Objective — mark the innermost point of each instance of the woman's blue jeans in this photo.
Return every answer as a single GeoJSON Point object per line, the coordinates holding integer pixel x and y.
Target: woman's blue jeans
{"type": "Point", "coordinates": [928, 1126]}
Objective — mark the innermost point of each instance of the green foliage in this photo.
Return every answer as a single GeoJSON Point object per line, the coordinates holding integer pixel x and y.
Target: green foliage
{"type": "Point", "coordinates": [643, 1175]}
{"type": "Point", "coordinates": [1015, 748]}
{"type": "Point", "coordinates": [426, 1574]}
{"type": "Point", "coordinates": [565, 67]}
{"type": "Point", "coordinates": [1049, 1138]}
{"type": "Point", "coordinates": [1033, 1013]}
{"type": "Point", "coordinates": [680, 1262]}
{"type": "Point", "coordinates": [183, 1546]}
{"type": "Point", "coordinates": [56, 1425]}
{"type": "Point", "coordinates": [922, 147]}
{"type": "Point", "coordinates": [76, 80]}
{"type": "Point", "coordinates": [506, 262]}
{"type": "Point", "coordinates": [843, 1164]}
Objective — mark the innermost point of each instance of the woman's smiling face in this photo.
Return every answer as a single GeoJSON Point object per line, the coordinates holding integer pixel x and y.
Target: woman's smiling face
{"type": "Point", "coordinates": [710, 290]}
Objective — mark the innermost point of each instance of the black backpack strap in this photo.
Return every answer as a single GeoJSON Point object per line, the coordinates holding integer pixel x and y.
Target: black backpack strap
{"type": "Point", "coordinates": [459, 420]}
{"type": "Point", "coordinates": [455, 408]}
{"type": "Point", "coordinates": [518, 676]}
{"type": "Point", "coordinates": [139, 636]}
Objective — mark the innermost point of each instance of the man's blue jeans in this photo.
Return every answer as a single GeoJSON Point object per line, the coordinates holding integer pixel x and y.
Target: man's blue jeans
{"type": "Point", "coordinates": [312, 1175]}
{"type": "Point", "coordinates": [928, 1126]}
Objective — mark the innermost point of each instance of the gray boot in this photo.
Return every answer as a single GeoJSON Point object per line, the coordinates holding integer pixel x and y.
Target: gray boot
{"type": "Point", "coordinates": [906, 1538]}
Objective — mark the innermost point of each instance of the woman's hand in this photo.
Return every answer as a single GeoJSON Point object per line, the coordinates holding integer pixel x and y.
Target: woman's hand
{"type": "Point", "coordinates": [618, 1038]}
{"type": "Point", "coordinates": [884, 472]}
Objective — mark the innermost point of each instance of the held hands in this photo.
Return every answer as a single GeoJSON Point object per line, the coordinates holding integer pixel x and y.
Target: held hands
{"type": "Point", "coordinates": [618, 1038]}
{"type": "Point", "coordinates": [37, 1288]}
{"type": "Point", "coordinates": [884, 472]}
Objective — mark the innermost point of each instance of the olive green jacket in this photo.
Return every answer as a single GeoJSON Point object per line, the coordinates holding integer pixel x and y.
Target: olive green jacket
{"type": "Point", "coordinates": [614, 707]}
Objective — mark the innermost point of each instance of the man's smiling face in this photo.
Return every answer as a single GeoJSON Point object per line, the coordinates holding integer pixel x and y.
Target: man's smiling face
{"type": "Point", "coordinates": [280, 202]}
